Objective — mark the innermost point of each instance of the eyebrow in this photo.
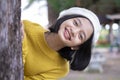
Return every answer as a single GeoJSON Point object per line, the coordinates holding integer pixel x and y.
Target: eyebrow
{"type": "Point", "coordinates": [79, 21]}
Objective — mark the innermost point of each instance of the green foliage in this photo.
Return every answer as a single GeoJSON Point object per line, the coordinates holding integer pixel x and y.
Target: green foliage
{"type": "Point", "coordinates": [59, 5]}
{"type": "Point", "coordinates": [86, 3]}
{"type": "Point", "coordinates": [117, 2]}
{"type": "Point", "coordinates": [102, 6]}
{"type": "Point", "coordinates": [104, 34]}
{"type": "Point", "coordinates": [102, 46]}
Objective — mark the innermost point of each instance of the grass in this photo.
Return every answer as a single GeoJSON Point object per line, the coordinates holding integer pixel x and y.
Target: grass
{"type": "Point", "coordinates": [103, 46]}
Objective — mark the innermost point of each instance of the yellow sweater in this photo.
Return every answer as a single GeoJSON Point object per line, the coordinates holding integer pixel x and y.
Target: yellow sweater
{"type": "Point", "coordinates": [40, 61]}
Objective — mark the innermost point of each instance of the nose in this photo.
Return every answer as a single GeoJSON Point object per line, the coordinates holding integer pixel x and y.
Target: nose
{"type": "Point", "coordinates": [75, 31]}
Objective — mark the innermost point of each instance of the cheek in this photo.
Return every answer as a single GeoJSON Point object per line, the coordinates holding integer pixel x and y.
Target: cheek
{"type": "Point", "coordinates": [61, 34]}
{"type": "Point", "coordinates": [61, 30]}
{"type": "Point", "coordinates": [75, 42]}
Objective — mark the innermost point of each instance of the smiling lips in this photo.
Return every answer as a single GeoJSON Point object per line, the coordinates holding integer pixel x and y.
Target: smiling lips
{"type": "Point", "coordinates": [67, 34]}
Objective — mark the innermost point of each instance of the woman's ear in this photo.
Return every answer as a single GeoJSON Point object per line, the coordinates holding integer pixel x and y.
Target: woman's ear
{"type": "Point", "coordinates": [75, 48]}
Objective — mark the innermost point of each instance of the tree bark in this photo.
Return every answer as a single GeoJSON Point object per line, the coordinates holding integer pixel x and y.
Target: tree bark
{"type": "Point", "coordinates": [11, 67]}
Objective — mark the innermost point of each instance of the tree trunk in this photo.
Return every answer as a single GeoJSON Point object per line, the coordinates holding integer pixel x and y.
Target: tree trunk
{"type": "Point", "coordinates": [77, 3]}
{"type": "Point", "coordinates": [11, 67]}
{"type": "Point", "coordinates": [52, 15]}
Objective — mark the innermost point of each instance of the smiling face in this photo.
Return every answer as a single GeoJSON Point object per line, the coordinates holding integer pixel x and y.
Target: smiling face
{"type": "Point", "coordinates": [75, 31]}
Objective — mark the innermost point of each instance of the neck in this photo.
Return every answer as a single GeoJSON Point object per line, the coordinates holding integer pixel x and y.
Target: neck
{"type": "Point", "coordinates": [54, 41]}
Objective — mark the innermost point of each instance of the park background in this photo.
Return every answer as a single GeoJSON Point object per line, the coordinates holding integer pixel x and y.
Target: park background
{"type": "Point", "coordinates": [105, 62]}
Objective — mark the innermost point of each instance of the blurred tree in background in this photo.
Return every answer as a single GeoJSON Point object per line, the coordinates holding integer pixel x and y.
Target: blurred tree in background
{"type": "Point", "coordinates": [55, 6]}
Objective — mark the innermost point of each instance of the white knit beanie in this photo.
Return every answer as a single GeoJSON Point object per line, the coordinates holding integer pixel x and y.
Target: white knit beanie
{"type": "Point", "coordinates": [88, 14]}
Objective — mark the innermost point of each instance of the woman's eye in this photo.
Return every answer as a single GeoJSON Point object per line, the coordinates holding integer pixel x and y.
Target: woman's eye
{"type": "Point", "coordinates": [81, 37]}
{"type": "Point", "coordinates": [75, 23]}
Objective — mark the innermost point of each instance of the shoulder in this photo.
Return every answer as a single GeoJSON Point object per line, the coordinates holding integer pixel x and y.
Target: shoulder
{"type": "Point", "coordinates": [29, 25]}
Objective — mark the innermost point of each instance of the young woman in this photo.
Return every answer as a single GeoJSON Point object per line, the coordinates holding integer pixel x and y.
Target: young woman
{"type": "Point", "coordinates": [49, 54]}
